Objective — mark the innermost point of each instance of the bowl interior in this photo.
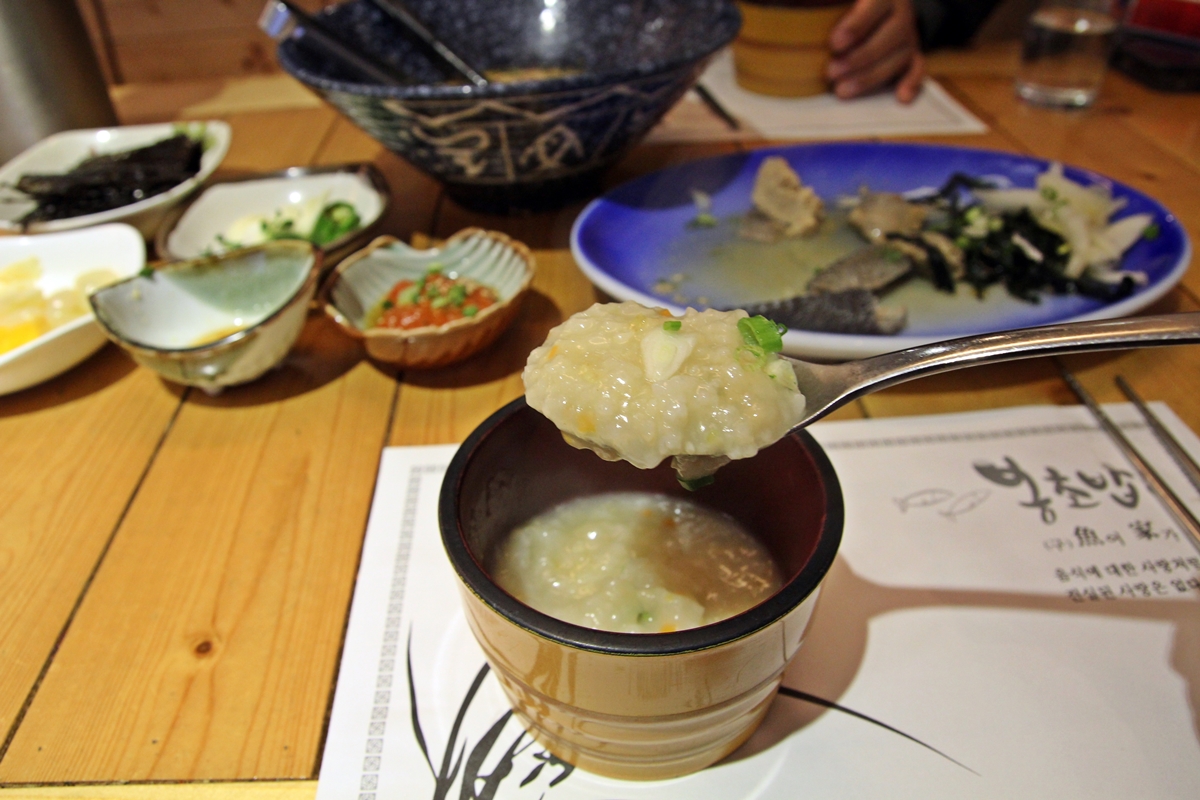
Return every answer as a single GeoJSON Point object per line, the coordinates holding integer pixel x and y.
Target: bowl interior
{"type": "Point", "coordinates": [583, 37]}
{"type": "Point", "coordinates": [185, 305]}
{"type": "Point", "coordinates": [517, 465]}
{"type": "Point", "coordinates": [477, 255]}
{"type": "Point", "coordinates": [221, 205]}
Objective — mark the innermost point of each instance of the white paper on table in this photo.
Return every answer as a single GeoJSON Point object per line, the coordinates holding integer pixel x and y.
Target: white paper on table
{"type": "Point", "coordinates": [956, 650]}
{"type": "Point", "coordinates": [824, 116]}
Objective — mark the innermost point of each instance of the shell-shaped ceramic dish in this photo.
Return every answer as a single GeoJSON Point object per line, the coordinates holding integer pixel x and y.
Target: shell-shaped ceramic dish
{"type": "Point", "coordinates": [364, 278]}
{"type": "Point", "coordinates": [64, 257]}
{"type": "Point", "coordinates": [195, 230]}
{"type": "Point", "coordinates": [62, 151]}
{"type": "Point", "coordinates": [213, 322]}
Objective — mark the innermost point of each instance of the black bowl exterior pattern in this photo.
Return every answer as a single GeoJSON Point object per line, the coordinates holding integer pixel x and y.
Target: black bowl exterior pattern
{"type": "Point", "coordinates": [523, 145]}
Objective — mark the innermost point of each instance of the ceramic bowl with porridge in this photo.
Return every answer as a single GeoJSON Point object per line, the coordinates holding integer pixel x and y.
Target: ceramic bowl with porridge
{"type": "Point", "coordinates": [640, 630]}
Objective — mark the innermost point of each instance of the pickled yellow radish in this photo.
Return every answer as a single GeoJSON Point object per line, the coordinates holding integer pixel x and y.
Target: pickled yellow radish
{"type": "Point", "coordinates": [26, 313]}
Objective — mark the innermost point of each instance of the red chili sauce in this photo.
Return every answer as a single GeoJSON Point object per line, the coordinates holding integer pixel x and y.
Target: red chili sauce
{"type": "Point", "coordinates": [433, 300]}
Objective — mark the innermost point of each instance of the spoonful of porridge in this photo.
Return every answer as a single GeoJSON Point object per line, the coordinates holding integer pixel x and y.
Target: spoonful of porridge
{"type": "Point", "coordinates": [638, 384]}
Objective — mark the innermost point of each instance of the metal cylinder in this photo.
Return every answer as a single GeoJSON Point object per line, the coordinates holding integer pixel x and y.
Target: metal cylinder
{"type": "Point", "coordinates": [50, 79]}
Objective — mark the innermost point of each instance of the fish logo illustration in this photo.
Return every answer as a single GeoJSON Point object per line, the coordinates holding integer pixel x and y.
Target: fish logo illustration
{"type": "Point", "coordinates": [964, 503]}
{"type": "Point", "coordinates": [922, 499]}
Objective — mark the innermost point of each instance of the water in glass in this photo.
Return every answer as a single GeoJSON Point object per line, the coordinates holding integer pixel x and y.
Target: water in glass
{"type": "Point", "coordinates": [1064, 55]}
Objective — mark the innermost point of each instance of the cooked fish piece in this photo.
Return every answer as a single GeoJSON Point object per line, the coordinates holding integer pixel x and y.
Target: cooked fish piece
{"type": "Point", "coordinates": [780, 195]}
{"type": "Point", "coordinates": [882, 214]}
{"type": "Point", "coordinates": [851, 311]}
{"type": "Point", "coordinates": [874, 268]}
{"type": "Point", "coordinates": [758, 227]}
{"type": "Point", "coordinates": [956, 260]}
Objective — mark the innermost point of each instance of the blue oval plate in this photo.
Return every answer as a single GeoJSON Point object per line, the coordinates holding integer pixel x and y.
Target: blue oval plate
{"type": "Point", "coordinates": [636, 243]}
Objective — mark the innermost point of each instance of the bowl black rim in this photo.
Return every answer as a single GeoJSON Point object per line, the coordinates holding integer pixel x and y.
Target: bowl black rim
{"type": "Point", "coordinates": [725, 27]}
{"type": "Point", "coordinates": [795, 592]}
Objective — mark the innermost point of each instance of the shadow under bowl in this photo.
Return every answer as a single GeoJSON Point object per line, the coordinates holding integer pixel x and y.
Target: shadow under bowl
{"type": "Point", "coordinates": [213, 322]}
{"type": "Point", "coordinates": [636, 706]}
{"type": "Point", "coordinates": [581, 83]}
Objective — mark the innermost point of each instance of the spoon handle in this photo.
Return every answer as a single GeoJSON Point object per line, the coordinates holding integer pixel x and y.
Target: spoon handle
{"type": "Point", "coordinates": [856, 378]}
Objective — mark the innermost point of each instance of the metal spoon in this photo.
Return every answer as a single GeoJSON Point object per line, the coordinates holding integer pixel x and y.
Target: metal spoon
{"type": "Point", "coordinates": [830, 386]}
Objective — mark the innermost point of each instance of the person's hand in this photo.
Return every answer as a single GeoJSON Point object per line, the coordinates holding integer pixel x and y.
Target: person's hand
{"type": "Point", "coordinates": [875, 43]}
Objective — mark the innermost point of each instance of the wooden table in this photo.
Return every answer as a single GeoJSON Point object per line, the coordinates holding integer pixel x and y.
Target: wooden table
{"type": "Point", "coordinates": [175, 569]}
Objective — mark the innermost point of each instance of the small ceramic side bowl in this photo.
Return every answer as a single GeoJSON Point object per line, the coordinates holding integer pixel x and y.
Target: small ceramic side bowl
{"type": "Point", "coordinates": [362, 280]}
{"type": "Point", "coordinates": [60, 152]}
{"type": "Point", "coordinates": [213, 322]}
{"type": "Point", "coordinates": [629, 705]}
{"type": "Point", "coordinates": [197, 230]}
{"type": "Point", "coordinates": [64, 257]}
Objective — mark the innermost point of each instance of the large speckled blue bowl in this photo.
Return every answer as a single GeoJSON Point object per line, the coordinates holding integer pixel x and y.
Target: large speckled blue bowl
{"type": "Point", "coordinates": [529, 144]}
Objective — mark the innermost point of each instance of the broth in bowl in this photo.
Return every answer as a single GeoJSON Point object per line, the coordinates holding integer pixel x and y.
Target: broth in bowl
{"type": "Point", "coordinates": [636, 563]}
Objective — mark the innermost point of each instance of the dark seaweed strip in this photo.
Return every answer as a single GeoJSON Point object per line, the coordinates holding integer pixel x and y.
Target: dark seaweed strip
{"type": "Point", "coordinates": [104, 182]}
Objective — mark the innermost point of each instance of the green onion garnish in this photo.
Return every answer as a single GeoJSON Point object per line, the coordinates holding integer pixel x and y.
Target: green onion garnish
{"type": "Point", "coordinates": [335, 221]}
{"type": "Point", "coordinates": [1151, 232]}
{"type": "Point", "coordinates": [457, 294]}
{"type": "Point", "coordinates": [761, 332]}
{"type": "Point", "coordinates": [470, 311]}
{"type": "Point", "coordinates": [692, 484]}
{"type": "Point", "coordinates": [672, 325]}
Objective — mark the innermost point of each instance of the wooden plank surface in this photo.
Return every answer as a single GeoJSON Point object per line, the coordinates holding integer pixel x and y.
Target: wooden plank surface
{"type": "Point", "coordinates": [230, 577]}
{"type": "Point", "coordinates": [256, 790]}
{"type": "Point", "coordinates": [321, 399]}
{"type": "Point", "coordinates": [75, 450]}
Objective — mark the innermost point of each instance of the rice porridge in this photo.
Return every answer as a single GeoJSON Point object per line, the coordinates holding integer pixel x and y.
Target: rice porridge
{"type": "Point", "coordinates": [635, 383]}
{"type": "Point", "coordinates": [635, 563]}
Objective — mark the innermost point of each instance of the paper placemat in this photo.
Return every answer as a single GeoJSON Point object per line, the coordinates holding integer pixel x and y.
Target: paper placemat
{"type": "Point", "coordinates": [1011, 614]}
{"type": "Point", "coordinates": [821, 117]}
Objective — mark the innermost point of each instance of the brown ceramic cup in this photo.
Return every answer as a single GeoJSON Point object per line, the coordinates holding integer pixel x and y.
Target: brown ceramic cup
{"type": "Point", "coordinates": [783, 46]}
{"type": "Point", "coordinates": [636, 706]}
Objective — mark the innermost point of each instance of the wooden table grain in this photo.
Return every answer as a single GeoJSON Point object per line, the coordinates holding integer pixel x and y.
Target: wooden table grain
{"type": "Point", "coordinates": [176, 569]}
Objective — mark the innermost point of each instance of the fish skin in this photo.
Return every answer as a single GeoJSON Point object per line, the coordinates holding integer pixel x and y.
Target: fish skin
{"type": "Point", "coordinates": [922, 499]}
{"type": "Point", "coordinates": [965, 502]}
{"type": "Point", "coordinates": [874, 268]}
{"type": "Point", "coordinates": [854, 311]}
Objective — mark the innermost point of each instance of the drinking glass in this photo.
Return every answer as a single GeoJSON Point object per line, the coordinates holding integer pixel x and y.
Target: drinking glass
{"type": "Point", "coordinates": [1065, 52]}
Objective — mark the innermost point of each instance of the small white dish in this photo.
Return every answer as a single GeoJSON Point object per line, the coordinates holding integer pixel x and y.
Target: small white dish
{"type": "Point", "coordinates": [64, 257]}
{"type": "Point", "coordinates": [218, 207]}
{"type": "Point", "coordinates": [213, 322]}
{"type": "Point", "coordinates": [60, 152]}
